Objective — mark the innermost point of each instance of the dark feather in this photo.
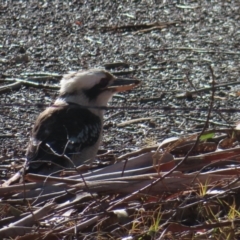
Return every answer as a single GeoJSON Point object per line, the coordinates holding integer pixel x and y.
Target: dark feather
{"type": "Point", "coordinates": [61, 131]}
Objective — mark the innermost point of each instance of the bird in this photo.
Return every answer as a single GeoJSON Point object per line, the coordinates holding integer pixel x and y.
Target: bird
{"type": "Point", "coordinates": [69, 132]}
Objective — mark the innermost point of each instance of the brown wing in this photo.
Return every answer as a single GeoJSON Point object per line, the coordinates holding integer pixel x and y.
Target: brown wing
{"type": "Point", "coordinates": [61, 130]}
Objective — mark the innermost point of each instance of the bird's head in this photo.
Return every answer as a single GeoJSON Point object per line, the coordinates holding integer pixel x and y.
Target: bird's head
{"type": "Point", "coordinates": [93, 87]}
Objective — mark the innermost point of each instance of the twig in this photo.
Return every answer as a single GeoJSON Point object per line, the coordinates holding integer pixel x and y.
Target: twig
{"type": "Point", "coordinates": [114, 115]}
{"type": "Point", "coordinates": [31, 83]}
{"type": "Point", "coordinates": [41, 74]}
{"type": "Point", "coordinates": [116, 64]}
{"type": "Point", "coordinates": [187, 6]}
{"type": "Point", "coordinates": [184, 159]}
{"type": "Point", "coordinates": [124, 124]}
{"type": "Point", "coordinates": [138, 152]}
{"type": "Point", "coordinates": [49, 179]}
{"type": "Point", "coordinates": [16, 231]}
{"type": "Point", "coordinates": [81, 225]}
{"type": "Point", "coordinates": [7, 135]}
{"type": "Point", "coordinates": [30, 219]}
{"type": "Point", "coordinates": [203, 130]}
{"type": "Point", "coordinates": [138, 26]}
{"type": "Point", "coordinates": [163, 108]}
{"type": "Point", "coordinates": [152, 29]}
{"type": "Point", "coordinates": [153, 99]}
{"type": "Point", "coordinates": [212, 122]}
{"type": "Point", "coordinates": [215, 87]}
{"type": "Point", "coordinates": [199, 50]}
{"type": "Point", "coordinates": [10, 87]}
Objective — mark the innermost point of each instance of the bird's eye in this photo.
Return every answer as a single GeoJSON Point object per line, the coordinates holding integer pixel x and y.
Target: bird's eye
{"type": "Point", "coordinates": [103, 82]}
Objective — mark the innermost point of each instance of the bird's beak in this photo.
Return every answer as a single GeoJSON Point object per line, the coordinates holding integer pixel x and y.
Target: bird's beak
{"type": "Point", "coordinates": [121, 84]}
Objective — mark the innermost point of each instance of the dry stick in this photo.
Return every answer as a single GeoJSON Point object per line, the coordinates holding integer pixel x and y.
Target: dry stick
{"type": "Point", "coordinates": [24, 184]}
{"type": "Point", "coordinates": [204, 89]}
{"type": "Point", "coordinates": [136, 153]}
{"type": "Point", "coordinates": [10, 87]}
{"type": "Point", "coordinates": [186, 7]}
{"type": "Point", "coordinates": [222, 117]}
{"type": "Point", "coordinates": [47, 179]}
{"type": "Point", "coordinates": [15, 188]}
{"type": "Point", "coordinates": [206, 225]}
{"type": "Point", "coordinates": [215, 86]}
{"type": "Point", "coordinates": [203, 130]}
{"type": "Point", "coordinates": [81, 225]}
{"type": "Point", "coordinates": [123, 73]}
{"type": "Point", "coordinates": [31, 83]}
{"type": "Point", "coordinates": [168, 108]}
{"type": "Point", "coordinates": [205, 199]}
{"type": "Point", "coordinates": [152, 99]}
{"type": "Point", "coordinates": [199, 50]}
{"type": "Point", "coordinates": [151, 148]}
{"type": "Point", "coordinates": [28, 220]}
{"type": "Point", "coordinates": [139, 26]}
{"type": "Point", "coordinates": [44, 74]}
{"type": "Point", "coordinates": [212, 122]}
{"type": "Point", "coordinates": [68, 159]}
{"type": "Point", "coordinates": [19, 120]}
{"type": "Point", "coordinates": [8, 232]}
{"type": "Point", "coordinates": [185, 158]}
{"type": "Point", "coordinates": [190, 82]}
{"type": "Point", "coordinates": [202, 200]}
{"type": "Point", "coordinates": [123, 124]}
{"type": "Point", "coordinates": [214, 164]}
{"type": "Point", "coordinates": [162, 108]}
{"type": "Point", "coordinates": [116, 64]}
{"type": "Point", "coordinates": [151, 29]}
{"type": "Point", "coordinates": [76, 169]}
{"type": "Point", "coordinates": [44, 79]}
{"type": "Point", "coordinates": [114, 115]}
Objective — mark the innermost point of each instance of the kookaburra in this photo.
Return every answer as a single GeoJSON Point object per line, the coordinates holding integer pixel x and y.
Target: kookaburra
{"type": "Point", "coordinates": [72, 127]}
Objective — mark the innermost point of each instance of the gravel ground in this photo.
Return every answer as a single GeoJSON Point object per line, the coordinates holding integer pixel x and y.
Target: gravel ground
{"type": "Point", "coordinates": [41, 40]}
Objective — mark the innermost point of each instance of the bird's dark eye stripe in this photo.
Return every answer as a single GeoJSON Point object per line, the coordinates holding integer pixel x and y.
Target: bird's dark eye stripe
{"type": "Point", "coordinates": [97, 89]}
{"type": "Point", "coordinates": [103, 82]}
